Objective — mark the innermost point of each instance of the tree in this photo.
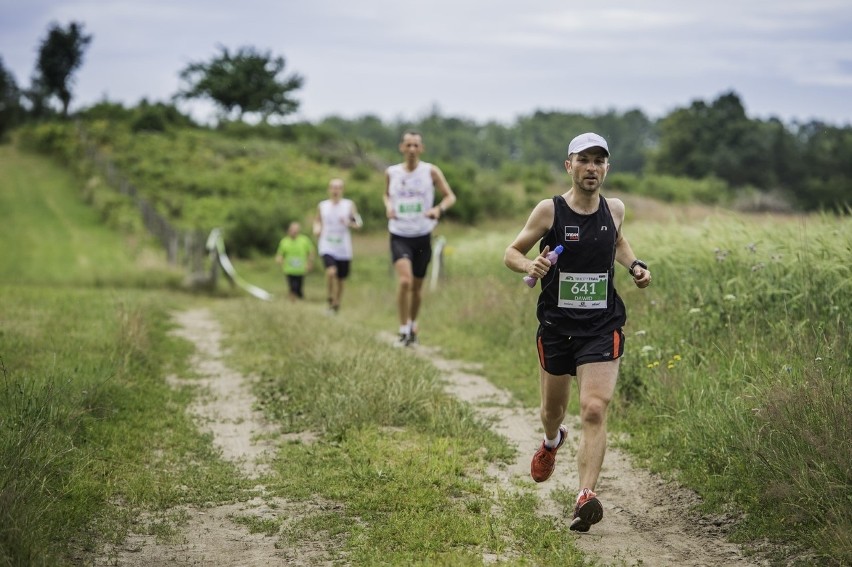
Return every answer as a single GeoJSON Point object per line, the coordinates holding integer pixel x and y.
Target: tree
{"type": "Point", "coordinates": [246, 81]}
{"type": "Point", "coordinates": [10, 100]}
{"type": "Point", "coordinates": [60, 54]}
{"type": "Point", "coordinates": [715, 140]}
{"type": "Point", "coordinates": [823, 168]}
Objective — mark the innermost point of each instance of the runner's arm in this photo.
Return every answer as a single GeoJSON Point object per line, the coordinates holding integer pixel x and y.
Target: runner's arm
{"type": "Point", "coordinates": [536, 227]}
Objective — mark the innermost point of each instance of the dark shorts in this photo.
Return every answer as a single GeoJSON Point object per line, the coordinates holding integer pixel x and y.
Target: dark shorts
{"type": "Point", "coordinates": [341, 265]}
{"type": "Point", "coordinates": [418, 249]}
{"type": "Point", "coordinates": [559, 355]}
{"type": "Point", "coordinates": [295, 285]}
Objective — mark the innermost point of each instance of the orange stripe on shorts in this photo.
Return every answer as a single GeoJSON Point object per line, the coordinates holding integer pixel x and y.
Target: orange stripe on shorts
{"type": "Point", "coordinates": [616, 343]}
{"type": "Point", "coordinates": [540, 352]}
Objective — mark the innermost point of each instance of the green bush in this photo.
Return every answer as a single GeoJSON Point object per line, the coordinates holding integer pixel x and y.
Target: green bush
{"type": "Point", "coordinates": [253, 228]}
{"type": "Point", "coordinates": [683, 190]}
{"type": "Point", "coordinates": [56, 139]}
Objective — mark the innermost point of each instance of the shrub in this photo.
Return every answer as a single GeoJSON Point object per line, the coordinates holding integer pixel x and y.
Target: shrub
{"type": "Point", "coordinates": [254, 228]}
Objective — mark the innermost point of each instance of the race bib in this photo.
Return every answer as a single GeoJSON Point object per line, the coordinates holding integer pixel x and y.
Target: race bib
{"type": "Point", "coordinates": [583, 291]}
{"type": "Point", "coordinates": [409, 207]}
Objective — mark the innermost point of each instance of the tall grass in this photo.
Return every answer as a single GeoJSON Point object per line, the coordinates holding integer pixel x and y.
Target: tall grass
{"type": "Point", "coordinates": [83, 403]}
{"type": "Point", "coordinates": [736, 377]}
{"type": "Point", "coordinates": [69, 361]}
{"type": "Point", "coordinates": [744, 372]}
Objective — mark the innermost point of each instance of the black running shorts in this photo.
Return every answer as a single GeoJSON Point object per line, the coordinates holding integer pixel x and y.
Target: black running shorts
{"type": "Point", "coordinates": [418, 249]}
{"type": "Point", "coordinates": [559, 355]}
{"type": "Point", "coordinates": [342, 265]}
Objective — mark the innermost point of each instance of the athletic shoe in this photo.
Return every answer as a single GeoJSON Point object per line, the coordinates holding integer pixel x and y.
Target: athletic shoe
{"type": "Point", "coordinates": [544, 460]}
{"type": "Point", "coordinates": [587, 511]}
{"type": "Point", "coordinates": [402, 340]}
{"type": "Point", "coordinates": [411, 339]}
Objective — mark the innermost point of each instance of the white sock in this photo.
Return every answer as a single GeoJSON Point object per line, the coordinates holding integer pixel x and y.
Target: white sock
{"type": "Point", "coordinates": [403, 329]}
{"type": "Point", "coordinates": [413, 326]}
{"type": "Point", "coordinates": [551, 443]}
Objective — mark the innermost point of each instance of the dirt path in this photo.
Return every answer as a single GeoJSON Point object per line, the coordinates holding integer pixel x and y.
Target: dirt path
{"type": "Point", "coordinates": [211, 536]}
{"type": "Point", "coordinates": [647, 521]}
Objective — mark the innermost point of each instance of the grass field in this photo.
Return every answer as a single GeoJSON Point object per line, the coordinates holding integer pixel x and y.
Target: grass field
{"type": "Point", "coordinates": [736, 381]}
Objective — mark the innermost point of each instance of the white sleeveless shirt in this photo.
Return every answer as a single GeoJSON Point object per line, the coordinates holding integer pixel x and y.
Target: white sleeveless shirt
{"type": "Point", "coordinates": [335, 238]}
{"type": "Point", "coordinates": [411, 195]}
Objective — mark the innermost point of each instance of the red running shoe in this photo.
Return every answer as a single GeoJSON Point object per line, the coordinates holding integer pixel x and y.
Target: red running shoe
{"type": "Point", "coordinates": [587, 511]}
{"type": "Point", "coordinates": [544, 460]}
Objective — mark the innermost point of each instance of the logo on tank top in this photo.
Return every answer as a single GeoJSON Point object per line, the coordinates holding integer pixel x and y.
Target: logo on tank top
{"type": "Point", "coordinates": [572, 233]}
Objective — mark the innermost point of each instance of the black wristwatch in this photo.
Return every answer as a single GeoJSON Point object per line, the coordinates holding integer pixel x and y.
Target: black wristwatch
{"type": "Point", "coordinates": [635, 263]}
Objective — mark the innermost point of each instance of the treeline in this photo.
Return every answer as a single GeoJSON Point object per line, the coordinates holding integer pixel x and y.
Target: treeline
{"type": "Point", "coordinates": [708, 151]}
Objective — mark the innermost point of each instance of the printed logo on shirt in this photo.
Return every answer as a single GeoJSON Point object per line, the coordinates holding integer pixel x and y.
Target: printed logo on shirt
{"type": "Point", "coordinates": [572, 233]}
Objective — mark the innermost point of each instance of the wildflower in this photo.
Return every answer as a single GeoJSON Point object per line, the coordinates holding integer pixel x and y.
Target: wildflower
{"type": "Point", "coordinates": [695, 311]}
{"type": "Point", "coordinates": [670, 365]}
{"type": "Point", "coordinates": [730, 297]}
{"type": "Point", "coordinates": [640, 333]}
{"type": "Point", "coordinates": [721, 255]}
{"type": "Point", "coordinates": [676, 357]}
{"type": "Point", "coordinates": [751, 247]}
{"type": "Point", "coordinates": [818, 359]}
{"type": "Point", "coordinates": [647, 349]}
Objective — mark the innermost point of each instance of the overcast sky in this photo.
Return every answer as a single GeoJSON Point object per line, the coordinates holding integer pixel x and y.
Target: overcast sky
{"type": "Point", "coordinates": [477, 59]}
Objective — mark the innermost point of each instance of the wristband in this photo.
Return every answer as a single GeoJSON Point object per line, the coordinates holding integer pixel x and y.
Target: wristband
{"type": "Point", "coordinates": [635, 263]}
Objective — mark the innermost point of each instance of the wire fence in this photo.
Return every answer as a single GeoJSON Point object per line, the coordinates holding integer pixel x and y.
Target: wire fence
{"type": "Point", "coordinates": [183, 247]}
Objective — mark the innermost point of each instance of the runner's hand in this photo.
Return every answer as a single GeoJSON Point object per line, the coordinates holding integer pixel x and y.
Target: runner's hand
{"type": "Point", "coordinates": [540, 265]}
{"type": "Point", "coordinates": [641, 277]}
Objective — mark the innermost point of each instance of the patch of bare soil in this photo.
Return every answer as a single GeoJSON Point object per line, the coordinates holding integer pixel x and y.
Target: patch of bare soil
{"type": "Point", "coordinates": [647, 521]}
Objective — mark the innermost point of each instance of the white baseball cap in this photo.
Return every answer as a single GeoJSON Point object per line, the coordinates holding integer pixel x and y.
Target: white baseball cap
{"type": "Point", "coordinates": [586, 141]}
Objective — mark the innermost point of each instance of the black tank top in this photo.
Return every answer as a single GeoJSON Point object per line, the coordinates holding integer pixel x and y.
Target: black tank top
{"type": "Point", "coordinates": [571, 301]}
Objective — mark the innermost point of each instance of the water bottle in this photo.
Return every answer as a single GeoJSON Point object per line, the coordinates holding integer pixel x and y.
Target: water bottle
{"type": "Point", "coordinates": [553, 255]}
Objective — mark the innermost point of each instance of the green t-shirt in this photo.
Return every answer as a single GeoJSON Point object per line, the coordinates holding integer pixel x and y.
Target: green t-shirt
{"type": "Point", "coordinates": [295, 252]}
